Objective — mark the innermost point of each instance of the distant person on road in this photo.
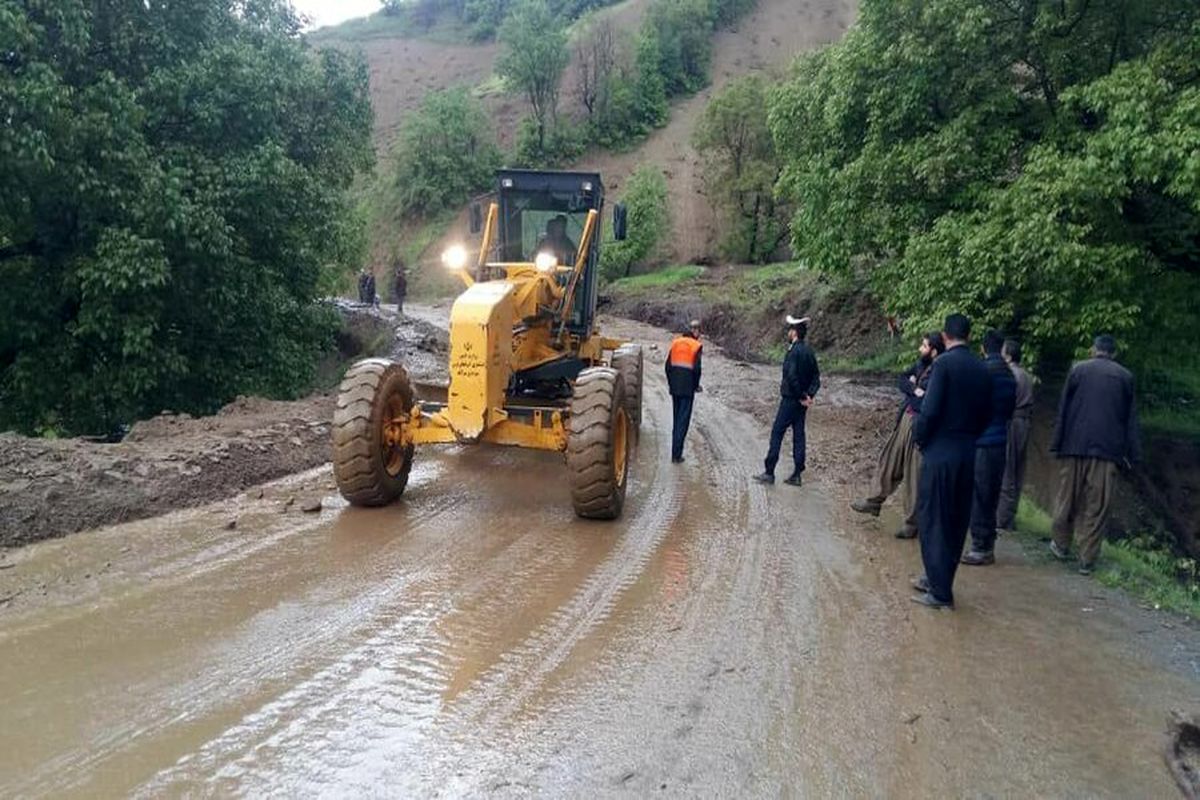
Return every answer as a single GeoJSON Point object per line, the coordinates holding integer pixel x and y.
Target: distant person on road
{"type": "Point", "coordinates": [399, 284]}
{"type": "Point", "coordinates": [1097, 431]}
{"type": "Point", "coordinates": [900, 461]}
{"type": "Point", "coordinates": [991, 454]}
{"type": "Point", "coordinates": [955, 411]}
{"type": "Point", "coordinates": [1018, 441]}
{"type": "Point", "coordinates": [364, 282]}
{"type": "Point", "coordinates": [801, 380]}
{"type": "Point", "coordinates": [683, 381]}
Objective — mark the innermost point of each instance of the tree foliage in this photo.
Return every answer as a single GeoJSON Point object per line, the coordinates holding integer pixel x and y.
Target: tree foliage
{"type": "Point", "coordinates": [649, 224]}
{"type": "Point", "coordinates": [173, 197]}
{"type": "Point", "coordinates": [445, 153]}
{"type": "Point", "coordinates": [534, 57]}
{"type": "Point", "coordinates": [1032, 163]}
{"type": "Point", "coordinates": [740, 170]}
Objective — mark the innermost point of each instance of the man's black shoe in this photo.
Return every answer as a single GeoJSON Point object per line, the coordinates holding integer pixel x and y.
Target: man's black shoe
{"type": "Point", "coordinates": [921, 584]}
{"type": "Point", "coordinates": [675, 460]}
{"type": "Point", "coordinates": [929, 601]}
{"type": "Point", "coordinates": [977, 558]}
{"type": "Point", "coordinates": [865, 507]}
{"type": "Point", "coordinates": [765, 477]}
{"type": "Point", "coordinates": [906, 533]}
{"type": "Point", "coordinates": [794, 480]}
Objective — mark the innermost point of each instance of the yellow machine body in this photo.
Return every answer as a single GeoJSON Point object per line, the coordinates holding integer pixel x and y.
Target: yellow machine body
{"type": "Point", "coordinates": [497, 328]}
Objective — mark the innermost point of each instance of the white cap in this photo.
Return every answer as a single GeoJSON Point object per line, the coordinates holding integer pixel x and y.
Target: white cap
{"type": "Point", "coordinates": [797, 320]}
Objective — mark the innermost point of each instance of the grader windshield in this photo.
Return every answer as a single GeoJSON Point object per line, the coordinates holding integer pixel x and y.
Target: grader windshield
{"type": "Point", "coordinates": [545, 212]}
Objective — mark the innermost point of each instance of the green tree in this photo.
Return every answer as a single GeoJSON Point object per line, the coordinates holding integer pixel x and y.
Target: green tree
{"type": "Point", "coordinates": [534, 57]}
{"type": "Point", "coordinates": [649, 224]}
{"type": "Point", "coordinates": [1023, 161]}
{"type": "Point", "coordinates": [683, 29]}
{"type": "Point", "coordinates": [741, 169]}
{"type": "Point", "coordinates": [174, 194]}
{"type": "Point", "coordinates": [444, 153]}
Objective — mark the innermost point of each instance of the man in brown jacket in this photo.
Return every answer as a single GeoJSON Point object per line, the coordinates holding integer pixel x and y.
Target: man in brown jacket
{"type": "Point", "coordinates": [1096, 432]}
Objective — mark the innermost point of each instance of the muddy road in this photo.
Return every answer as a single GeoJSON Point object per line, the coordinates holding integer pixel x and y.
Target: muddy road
{"type": "Point", "coordinates": [723, 639]}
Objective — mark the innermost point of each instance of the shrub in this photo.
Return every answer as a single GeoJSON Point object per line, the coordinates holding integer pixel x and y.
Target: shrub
{"type": "Point", "coordinates": [649, 223]}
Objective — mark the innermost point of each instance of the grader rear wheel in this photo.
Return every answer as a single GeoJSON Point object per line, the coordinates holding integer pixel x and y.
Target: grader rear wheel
{"type": "Point", "coordinates": [371, 462]}
{"type": "Point", "coordinates": [598, 438]}
{"type": "Point", "coordinates": [628, 360]}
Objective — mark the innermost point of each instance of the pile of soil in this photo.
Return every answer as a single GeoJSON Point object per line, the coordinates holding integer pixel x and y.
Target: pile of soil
{"type": "Point", "coordinates": [53, 487]}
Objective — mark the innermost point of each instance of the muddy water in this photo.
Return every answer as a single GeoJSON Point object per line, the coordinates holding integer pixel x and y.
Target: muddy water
{"type": "Point", "coordinates": [722, 639]}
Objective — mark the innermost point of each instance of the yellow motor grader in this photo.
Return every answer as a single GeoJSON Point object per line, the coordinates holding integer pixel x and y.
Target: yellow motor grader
{"type": "Point", "coordinates": [528, 366]}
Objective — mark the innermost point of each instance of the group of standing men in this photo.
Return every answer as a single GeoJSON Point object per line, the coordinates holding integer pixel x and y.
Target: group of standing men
{"type": "Point", "coordinates": [958, 446]}
{"type": "Point", "coordinates": [366, 286]}
{"type": "Point", "coordinates": [959, 449]}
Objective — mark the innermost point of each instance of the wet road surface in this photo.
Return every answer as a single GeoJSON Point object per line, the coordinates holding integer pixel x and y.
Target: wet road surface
{"type": "Point", "coordinates": [722, 639]}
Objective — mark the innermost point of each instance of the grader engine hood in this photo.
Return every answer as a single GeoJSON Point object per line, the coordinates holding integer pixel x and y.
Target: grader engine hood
{"type": "Point", "coordinates": [481, 323]}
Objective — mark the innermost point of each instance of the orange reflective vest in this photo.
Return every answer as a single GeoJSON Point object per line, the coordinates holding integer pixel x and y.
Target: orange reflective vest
{"type": "Point", "coordinates": [684, 352]}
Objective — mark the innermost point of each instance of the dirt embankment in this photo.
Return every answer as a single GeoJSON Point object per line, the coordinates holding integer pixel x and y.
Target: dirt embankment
{"type": "Point", "coordinates": [50, 488]}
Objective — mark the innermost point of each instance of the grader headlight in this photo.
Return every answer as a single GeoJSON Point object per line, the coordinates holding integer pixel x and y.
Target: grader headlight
{"type": "Point", "coordinates": [455, 257]}
{"type": "Point", "coordinates": [545, 262]}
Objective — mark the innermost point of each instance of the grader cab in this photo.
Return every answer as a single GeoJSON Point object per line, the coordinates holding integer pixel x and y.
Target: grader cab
{"type": "Point", "coordinates": [528, 365]}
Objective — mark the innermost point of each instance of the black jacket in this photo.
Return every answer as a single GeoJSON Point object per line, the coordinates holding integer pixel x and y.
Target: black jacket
{"type": "Point", "coordinates": [1096, 416]}
{"type": "Point", "coordinates": [956, 407]}
{"type": "Point", "coordinates": [1004, 400]}
{"type": "Point", "coordinates": [913, 378]}
{"type": "Point", "coordinates": [801, 375]}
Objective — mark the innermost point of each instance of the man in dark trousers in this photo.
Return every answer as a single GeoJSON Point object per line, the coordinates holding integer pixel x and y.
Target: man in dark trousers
{"type": "Point", "coordinates": [900, 461]}
{"type": "Point", "coordinates": [1018, 441]}
{"type": "Point", "coordinates": [801, 380]}
{"type": "Point", "coordinates": [399, 284]}
{"type": "Point", "coordinates": [1097, 430]}
{"type": "Point", "coordinates": [991, 454]}
{"type": "Point", "coordinates": [683, 381]}
{"type": "Point", "coordinates": [364, 279]}
{"type": "Point", "coordinates": [954, 413]}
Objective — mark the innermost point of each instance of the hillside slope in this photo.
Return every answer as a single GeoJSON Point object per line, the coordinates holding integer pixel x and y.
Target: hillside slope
{"type": "Point", "coordinates": [766, 40]}
{"type": "Point", "coordinates": [404, 69]}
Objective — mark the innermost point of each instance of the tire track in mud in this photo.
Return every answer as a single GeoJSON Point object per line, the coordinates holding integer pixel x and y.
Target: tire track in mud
{"type": "Point", "coordinates": [526, 562]}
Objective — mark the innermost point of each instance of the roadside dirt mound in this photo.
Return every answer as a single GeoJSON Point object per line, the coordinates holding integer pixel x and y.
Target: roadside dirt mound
{"type": "Point", "coordinates": [846, 323]}
{"type": "Point", "coordinates": [50, 488]}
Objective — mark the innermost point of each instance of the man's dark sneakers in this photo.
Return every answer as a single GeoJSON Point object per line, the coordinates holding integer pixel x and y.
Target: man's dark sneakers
{"type": "Point", "coordinates": [929, 601]}
{"type": "Point", "coordinates": [676, 460]}
{"type": "Point", "coordinates": [1086, 569]}
{"type": "Point", "coordinates": [865, 507]}
{"type": "Point", "coordinates": [921, 584]}
{"type": "Point", "coordinates": [977, 558]}
{"type": "Point", "coordinates": [1058, 552]}
{"type": "Point", "coordinates": [794, 480]}
{"type": "Point", "coordinates": [906, 533]}
{"type": "Point", "coordinates": [765, 477]}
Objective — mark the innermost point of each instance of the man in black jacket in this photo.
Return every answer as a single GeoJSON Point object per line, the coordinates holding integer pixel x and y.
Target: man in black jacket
{"type": "Point", "coordinates": [955, 411]}
{"type": "Point", "coordinates": [1096, 431]}
{"type": "Point", "coordinates": [801, 380]}
{"type": "Point", "coordinates": [991, 454]}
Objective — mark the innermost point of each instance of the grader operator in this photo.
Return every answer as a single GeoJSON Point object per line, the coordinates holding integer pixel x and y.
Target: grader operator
{"type": "Point", "coordinates": [528, 365]}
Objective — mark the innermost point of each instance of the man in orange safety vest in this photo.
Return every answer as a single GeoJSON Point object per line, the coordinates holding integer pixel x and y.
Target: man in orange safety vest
{"type": "Point", "coordinates": [683, 381]}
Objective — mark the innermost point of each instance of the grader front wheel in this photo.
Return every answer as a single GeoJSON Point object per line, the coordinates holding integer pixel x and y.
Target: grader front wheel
{"type": "Point", "coordinates": [598, 438]}
{"type": "Point", "coordinates": [371, 460]}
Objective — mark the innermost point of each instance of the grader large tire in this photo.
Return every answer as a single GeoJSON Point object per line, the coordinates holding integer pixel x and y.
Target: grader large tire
{"type": "Point", "coordinates": [628, 360]}
{"type": "Point", "coordinates": [370, 461]}
{"type": "Point", "coordinates": [598, 437]}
